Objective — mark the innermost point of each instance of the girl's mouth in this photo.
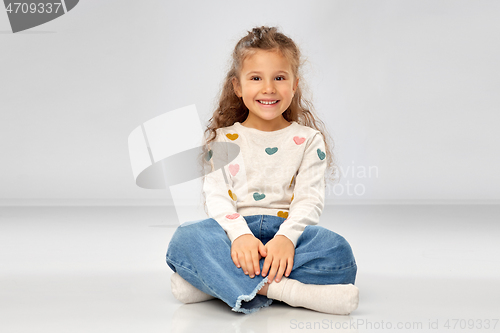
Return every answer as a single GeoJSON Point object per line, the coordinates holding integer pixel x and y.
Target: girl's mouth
{"type": "Point", "coordinates": [268, 102]}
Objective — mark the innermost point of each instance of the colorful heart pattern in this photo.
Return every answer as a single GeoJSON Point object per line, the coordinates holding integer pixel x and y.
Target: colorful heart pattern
{"type": "Point", "coordinates": [271, 151]}
{"type": "Point", "coordinates": [232, 195]}
{"type": "Point", "coordinates": [321, 154]}
{"type": "Point", "coordinates": [298, 140]}
{"type": "Point", "coordinates": [282, 214]}
{"type": "Point", "coordinates": [209, 155]}
{"type": "Point", "coordinates": [257, 196]}
{"type": "Point", "coordinates": [233, 169]}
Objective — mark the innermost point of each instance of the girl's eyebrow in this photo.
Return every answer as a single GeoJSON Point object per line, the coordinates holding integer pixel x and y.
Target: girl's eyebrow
{"type": "Point", "coordinates": [257, 72]}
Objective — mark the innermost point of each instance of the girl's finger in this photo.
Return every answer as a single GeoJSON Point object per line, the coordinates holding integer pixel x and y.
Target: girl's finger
{"type": "Point", "coordinates": [289, 267]}
{"type": "Point", "coordinates": [281, 270]}
{"type": "Point", "coordinates": [262, 250]}
{"type": "Point", "coordinates": [256, 266]}
{"type": "Point", "coordinates": [242, 262]}
{"type": "Point", "coordinates": [249, 263]}
{"type": "Point", "coordinates": [234, 256]}
{"type": "Point", "coordinates": [274, 269]}
{"type": "Point", "coordinates": [267, 263]}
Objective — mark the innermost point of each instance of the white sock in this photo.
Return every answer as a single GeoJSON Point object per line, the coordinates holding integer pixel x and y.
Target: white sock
{"type": "Point", "coordinates": [339, 299]}
{"type": "Point", "coordinates": [186, 292]}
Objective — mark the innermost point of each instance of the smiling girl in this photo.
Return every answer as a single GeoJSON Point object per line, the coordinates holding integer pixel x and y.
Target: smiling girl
{"type": "Point", "coordinates": [262, 242]}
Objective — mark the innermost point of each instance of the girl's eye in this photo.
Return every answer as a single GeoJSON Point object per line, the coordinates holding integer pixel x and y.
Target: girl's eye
{"type": "Point", "coordinates": [278, 77]}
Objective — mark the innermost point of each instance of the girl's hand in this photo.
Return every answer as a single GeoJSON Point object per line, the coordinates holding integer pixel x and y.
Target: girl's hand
{"type": "Point", "coordinates": [280, 253]}
{"type": "Point", "coordinates": [246, 252]}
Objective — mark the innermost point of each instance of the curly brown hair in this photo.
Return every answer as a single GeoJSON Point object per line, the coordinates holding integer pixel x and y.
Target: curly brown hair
{"type": "Point", "coordinates": [231, 109]}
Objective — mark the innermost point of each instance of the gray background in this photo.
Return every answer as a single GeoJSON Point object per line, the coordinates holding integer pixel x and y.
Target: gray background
{"type": "Point", "coordinates": [408, 87]}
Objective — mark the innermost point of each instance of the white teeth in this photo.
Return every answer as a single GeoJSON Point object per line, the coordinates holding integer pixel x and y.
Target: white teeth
{"type": "Point", "coordinates": [267, 103]}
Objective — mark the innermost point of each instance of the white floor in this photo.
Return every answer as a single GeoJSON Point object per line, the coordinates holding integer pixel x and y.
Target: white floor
{"type": "Point", "coordinates": [102, 269]}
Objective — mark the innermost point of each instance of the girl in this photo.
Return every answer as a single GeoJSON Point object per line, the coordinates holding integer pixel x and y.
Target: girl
{"type": "Point", "coordinates": [262, 242]}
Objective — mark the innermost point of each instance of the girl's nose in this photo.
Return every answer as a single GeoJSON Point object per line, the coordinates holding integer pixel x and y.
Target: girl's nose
{"type": "Point", "coordinates": [268, 87]}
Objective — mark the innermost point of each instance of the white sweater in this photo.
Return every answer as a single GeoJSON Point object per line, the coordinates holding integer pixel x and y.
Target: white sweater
{"type": "Point", "coordinates": [279, 173]}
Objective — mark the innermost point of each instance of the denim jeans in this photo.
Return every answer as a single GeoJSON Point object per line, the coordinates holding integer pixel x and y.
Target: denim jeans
{"type": "Point", "coordinates": [200, 252]}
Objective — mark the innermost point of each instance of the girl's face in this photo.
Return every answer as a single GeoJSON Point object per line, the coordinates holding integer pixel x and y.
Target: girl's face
{"type": "Point", "coordinates": [267, 86]}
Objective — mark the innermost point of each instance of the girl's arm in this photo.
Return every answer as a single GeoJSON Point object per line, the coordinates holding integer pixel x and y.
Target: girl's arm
{"type": "Point", "coordinates": [305, 209]}
{"type": "Point", "coordinates": [246, 249]}
{"type": "Point", "coordinates": [221, 205]}
{"type": "Point", "coordinates": [221, 199]}
{"type": "Point", "coordinates": [309, 191]}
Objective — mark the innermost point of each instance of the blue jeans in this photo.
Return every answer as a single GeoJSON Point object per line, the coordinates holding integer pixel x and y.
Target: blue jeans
{"type": "Point", "coordinates": [200, 252]}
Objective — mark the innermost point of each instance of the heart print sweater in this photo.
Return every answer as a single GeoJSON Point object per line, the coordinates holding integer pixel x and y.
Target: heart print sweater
{"type": "Point", "coordinates": [279, 173]}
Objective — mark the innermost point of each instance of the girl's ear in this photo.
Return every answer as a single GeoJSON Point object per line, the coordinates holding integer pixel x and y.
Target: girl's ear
{"type": "Point", "coordinates": [296, 85]}
{"type": "Point", "coordinates": [236, 87]}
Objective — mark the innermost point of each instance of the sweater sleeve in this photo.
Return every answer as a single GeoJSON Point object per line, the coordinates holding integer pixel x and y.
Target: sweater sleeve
{"type": "Point", "coordinates": [309, 192]}
{"type": "Point", "coordinates": [220, 196]}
